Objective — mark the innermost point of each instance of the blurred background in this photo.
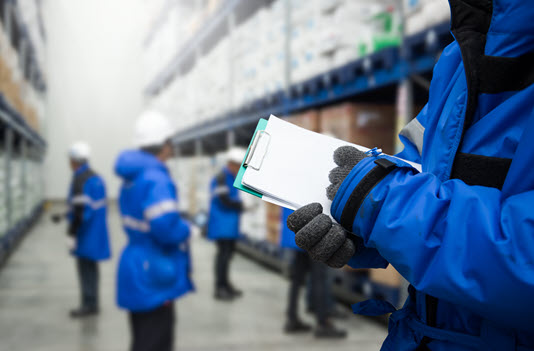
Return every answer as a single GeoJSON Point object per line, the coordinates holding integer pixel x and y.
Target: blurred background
{"type": "Point", "coordinates": [72, 70]}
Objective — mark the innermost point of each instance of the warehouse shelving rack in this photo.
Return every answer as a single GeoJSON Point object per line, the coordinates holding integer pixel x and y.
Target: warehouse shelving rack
{"type": "Point", "coordinates": [17, 138]}
{"type": "Point", "coordinates": [380, 76]}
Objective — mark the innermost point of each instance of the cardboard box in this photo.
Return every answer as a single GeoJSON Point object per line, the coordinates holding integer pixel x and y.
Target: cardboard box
{"type": "Point", "coordinates": [273, 213]}
{"type": "Point", "coordinates": [308, 119]}
{"type": "Point", "coordinates": [388, 277]}
{"type": "Point", "coordinates": [369, 125]}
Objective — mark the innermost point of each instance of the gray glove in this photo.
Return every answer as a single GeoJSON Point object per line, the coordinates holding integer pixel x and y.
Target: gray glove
{"type": "Point", "coordinates": [346, 157]}
{"type": "Point", "coordinates": [324, 240]}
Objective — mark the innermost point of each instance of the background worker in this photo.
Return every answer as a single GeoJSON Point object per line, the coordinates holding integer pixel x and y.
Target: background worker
{"type": "Point", "coordinates": [87, 226]}
{"type": "Point", "coordinates": [223, 223]}
{"type": "Point", "coordinates": [460, 231]}
{"type": "Point", "coordinates": [301, 265]}
{"type": "Point", "coordinates": [154, 267]}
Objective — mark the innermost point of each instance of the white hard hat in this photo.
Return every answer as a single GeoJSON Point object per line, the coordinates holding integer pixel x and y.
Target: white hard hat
{"type": "Point", "coordinates": [236, 155]}
{"type": "Point", "coordinates": [79, 151]}
{"type": "Point", "coordinates": [152, 129]}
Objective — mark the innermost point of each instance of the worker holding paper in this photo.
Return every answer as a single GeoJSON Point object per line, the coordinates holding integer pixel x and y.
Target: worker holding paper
{"type": "Point", "coordinates": [223, 224]}
{"type": "Point", "coordinates": [461, 231]}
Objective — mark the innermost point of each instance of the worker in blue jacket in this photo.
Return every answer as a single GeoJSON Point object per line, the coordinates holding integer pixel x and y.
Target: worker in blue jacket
{"type": "Point", "coordinates": [223, 222]}
{"type": "Point", "coordinates": [88, 231]}
{"type": "Point", "coordinates": [154, 268]}
{"type": "Point", "coordinates": [461, 231]}
{"type": "Point", "coordinates": [300, 265]}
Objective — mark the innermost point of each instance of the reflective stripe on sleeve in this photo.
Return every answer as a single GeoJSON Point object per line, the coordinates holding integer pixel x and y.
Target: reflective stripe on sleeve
{"type": "Point", "coordinates": [220, 190]}
{"type": "Point", "coordinates": [86, 200]}
{"type": "Point", "coordinates": [135, 224]}
{"type": "Point", "coordinates": [414, 132]}
{"type": "Point", "coordinates": [160, 209]}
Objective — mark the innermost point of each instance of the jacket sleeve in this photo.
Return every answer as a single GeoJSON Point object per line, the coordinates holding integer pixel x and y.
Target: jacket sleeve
{"type": "Point", "coordinates": [463, 244]}
{"type": "Point", "coordinates": [412, 137]}
{"type": "Point", "coordinates": [222, 192]}
{"type": "Point", "coordinates": [161, 211]}
{"type": "Point", "coordinates": [84, 205]}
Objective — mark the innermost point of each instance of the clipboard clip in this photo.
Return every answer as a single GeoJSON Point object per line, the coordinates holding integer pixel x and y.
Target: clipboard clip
{"type": "Point", "coordinates": [258, 150]}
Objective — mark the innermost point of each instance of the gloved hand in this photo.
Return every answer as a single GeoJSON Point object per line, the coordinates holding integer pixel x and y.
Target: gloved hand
{"type": "Point", "coordinates": [346, 157]}
{"type": "Point", "coordinates": [324, 240]}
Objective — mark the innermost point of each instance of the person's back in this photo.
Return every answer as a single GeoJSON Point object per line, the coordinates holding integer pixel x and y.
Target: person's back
{"type": "Point", "coordinates": [154, 266]}
{"type": "Point", "coordinates": [92, 239]}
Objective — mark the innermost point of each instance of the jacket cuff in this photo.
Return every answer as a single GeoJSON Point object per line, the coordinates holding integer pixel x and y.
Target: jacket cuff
{"type": "Point", "coordinates": [357, 187]}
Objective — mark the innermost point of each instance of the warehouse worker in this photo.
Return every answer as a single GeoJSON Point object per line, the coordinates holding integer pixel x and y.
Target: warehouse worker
{"type": "Point", "coordinates": [300, 265]}
{"type": "Point", "coordinates": [461, 231]}
{"type": "Point", "coordinates": [223, 223]}
{"type": "Point", "coordinates": [154, 267]}
{"type": "Point", "coordinates": [88, 231]}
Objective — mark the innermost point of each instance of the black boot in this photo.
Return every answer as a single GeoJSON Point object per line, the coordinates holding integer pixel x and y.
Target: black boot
{"type": "Point", "coordinates": [84, 312]}
{"type": "Point", "coordinates": [329, 331]}
{"type": "Point", "coordinates": [224, 294]}
{"type": "Point", "coordinates": [236, 292]}
{"type": "Point", "coordinates": [296, 326]}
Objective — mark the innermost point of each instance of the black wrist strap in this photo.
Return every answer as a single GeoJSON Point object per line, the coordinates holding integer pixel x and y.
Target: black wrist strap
{"type": "Point", "coordinates": [380, 171]}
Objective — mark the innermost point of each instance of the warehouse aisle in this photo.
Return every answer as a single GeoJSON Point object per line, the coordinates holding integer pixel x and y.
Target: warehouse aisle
{"type": "Point", "coordinates": [38, 287]}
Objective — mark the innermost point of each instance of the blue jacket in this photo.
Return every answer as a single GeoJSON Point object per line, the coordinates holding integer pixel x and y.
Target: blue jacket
{"type": "Point", "coordinates": [462, 231]}
{"type": "Point", "coordinates": [287, 237]}
{"type": "Point", "coordinates": [87, 215]}
{"type": "Point", "coordinates": [155, 265]}
{"type": "Point", "coordinates": [225, 207]}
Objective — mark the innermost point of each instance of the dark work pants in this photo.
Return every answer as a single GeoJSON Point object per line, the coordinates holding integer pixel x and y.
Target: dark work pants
{"type": "Point", "coordinates": [88, 276]}
{"type": "Point", "coordinates": [225, 251]}
{"type": "Point", "coordinates": [300, 266]}
{"type": "Point", "coordinates": [153, 330]}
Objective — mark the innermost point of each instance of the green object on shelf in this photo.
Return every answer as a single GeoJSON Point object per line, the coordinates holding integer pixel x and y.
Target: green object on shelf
{"type": "Point", "coordinates": [380, 43]}
{"type": "Point", "coordinates": [262, 124]}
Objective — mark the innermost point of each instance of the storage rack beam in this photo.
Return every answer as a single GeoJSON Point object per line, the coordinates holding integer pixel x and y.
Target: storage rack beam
{"type": "Point", "coordinates": [213, 24]}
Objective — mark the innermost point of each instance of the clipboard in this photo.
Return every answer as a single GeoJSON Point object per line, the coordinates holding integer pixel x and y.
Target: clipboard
{"type": "Point", "coordinates": [262, 124]}
{"type": "Point", "coordinates": [288, 165]}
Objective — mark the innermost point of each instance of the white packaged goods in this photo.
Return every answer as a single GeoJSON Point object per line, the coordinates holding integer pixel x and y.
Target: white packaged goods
{"type": "Point", "coordinates": [250, 63]}
{"type": "Point", "coordinates": [422, 14]}
{"type": "Point", "coordinates": [253, 221]}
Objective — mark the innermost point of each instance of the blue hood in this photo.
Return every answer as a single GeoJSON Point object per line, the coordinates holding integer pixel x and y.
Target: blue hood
{"type": "Point", "coordinates": [512, 29]}
{"type": "Point", "coordinates": [131, 163]}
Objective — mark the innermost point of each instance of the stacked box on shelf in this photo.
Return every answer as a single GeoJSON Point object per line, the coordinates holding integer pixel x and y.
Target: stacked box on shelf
{"type": "Point", "coordinates": [423, 14]}
{"type": "Point", "coordinates": [253, 221]}
{"type": "Point", "coordinates": [182, 174]}
{"type": "Point", "coordinates": [309, 119]}
{"type": "Point", "coordinates": [369, 125]}
{"type": "Point", "coordinates": [359, 28]}
{"type": "Point", "coordinates": [271, 56]}
{"type": "Point", "coordinates": [246, 57]}
{"type": "Point", "coordinates": [273, 223]}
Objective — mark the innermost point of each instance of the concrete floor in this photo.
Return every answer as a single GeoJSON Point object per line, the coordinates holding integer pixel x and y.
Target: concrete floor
{"type": "Point", "coordinates": [38, 286]}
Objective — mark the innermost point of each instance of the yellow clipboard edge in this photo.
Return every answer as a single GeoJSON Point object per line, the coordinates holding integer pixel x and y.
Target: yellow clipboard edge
{"type": "Point", "coordinates": [262, 124]}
